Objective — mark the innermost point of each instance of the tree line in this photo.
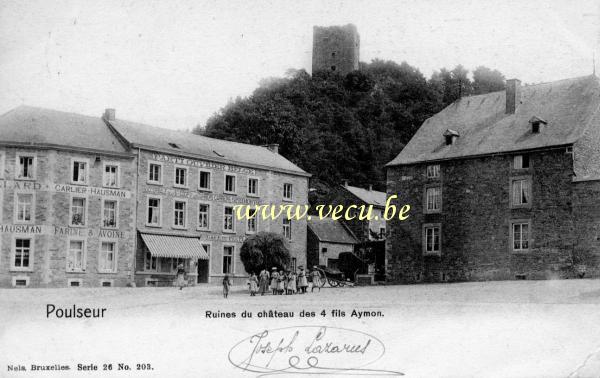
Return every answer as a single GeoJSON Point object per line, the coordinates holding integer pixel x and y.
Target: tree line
{"type": "Point", "coordinates": [345, 127]}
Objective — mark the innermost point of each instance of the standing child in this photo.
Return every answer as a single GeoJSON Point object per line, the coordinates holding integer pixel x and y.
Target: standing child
{"type": "Point", "coordinates": [302, 282]}
{"type": "Point", "coordinates": [264, 281]}
{"type": "Point", "coordinates": [292, 283]}
{"type": "Point", "coordinates": [253, 285]}
{"type": "Point", "coordinates": [180, 276]}
{"type": "Point", "coordinates": [316, 279]}
{"type": "Point", "coordinates": [274, 280]}
{"type": "Point", "coordinates": [226, 285]}
{"type": "Point", "coordinates": [281, 283]}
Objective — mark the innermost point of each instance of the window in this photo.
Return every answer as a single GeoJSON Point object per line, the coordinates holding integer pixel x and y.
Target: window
{"type": "Point", "coordinates": [521, 192]}
{"type": "Point", "coordinates": [293, 264]}
{"type": "Point", "coordinates": [287, 228]}
{"type": "Point", "coordinates": [251, 224]}
{"type": "Point", "coordinates": [153, 212]}
{"type": "Point", "coordinates": [155, 173]}
{"type": "Point", "coordinates": [324, 250]}
{"type": "Point", "coordinates": [20, 281]}
{"type": "Point", "coordinates": [78, 211]}
{"type": "Point", "coordinates": [228, 219]}
{"type": "Point", "coordinates": [23, 254]}
{"type": "Point", "coordinates": [253, 187]}
{"type": "Point", "coordinates": [287, 192]}
{"type": "Point", "coordinates": [107, 262]}
{"type": "Point", "coordinates": [79, 172]}
{"type": "Point", "coordinates": [204, 180]}
{"type": "Point", "coordinates": [431, 236]}
{"type": "Point", "coordinates": [74, 282]}
{"type": "Point", "coordinates": [203, 216]}
{"type": "Point", "coordinates": [181, 176]}
{"type": "Point", "coordinates": [26, 169]}
{"type": "Point", "coordinates": [23, 207]}
{"type": "Point", "coordinates": [229, 184]}
{"type": "Point", "coordinates": [179, 214]}
{"type": "Point", "coordinates": [109, 213]}
{"type": "Point", "coordinates": [521, 162]}
{"type": "Point", "coordinates": [76, 256]}
{"type": "Point", "coordinates": [520, 236]}
{"type": "Point", "coordinates": [228, 259]}
{"type": "Point", "coordinates": [433, 199]}
{"type": "Point", "coordinates": [106, 283]}
{"type": "Point", "coordinates": [433, 171]}
{"type": "Point", "coordinates": [151, 262]}
{"type": "Point", "coordinates": [110, 177]}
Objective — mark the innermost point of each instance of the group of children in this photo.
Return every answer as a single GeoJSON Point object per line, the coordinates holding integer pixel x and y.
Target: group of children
{"type": "Point", "coordinates": [280, 282]}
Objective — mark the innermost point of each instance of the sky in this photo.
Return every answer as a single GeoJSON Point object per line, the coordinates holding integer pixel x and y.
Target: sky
{"type": "Point", "coordinates": [174, 63]}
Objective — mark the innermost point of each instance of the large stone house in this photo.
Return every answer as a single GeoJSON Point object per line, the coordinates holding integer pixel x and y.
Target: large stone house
{"type": "Point", "coordinates": [99, 201]}
{"type": "Point", "coordinates": [504, 185]}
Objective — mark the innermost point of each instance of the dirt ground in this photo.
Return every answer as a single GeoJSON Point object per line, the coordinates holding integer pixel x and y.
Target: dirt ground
{"type": "Point", "coordinates": [483, 329]}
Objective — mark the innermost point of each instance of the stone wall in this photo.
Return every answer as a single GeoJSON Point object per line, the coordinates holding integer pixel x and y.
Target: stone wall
{"type": "Point", "coordinates": [335, 49]}
{"type": "Point", "coordinates": [51, 229]}
{"type": "Point", "coordinates": [476, 220]}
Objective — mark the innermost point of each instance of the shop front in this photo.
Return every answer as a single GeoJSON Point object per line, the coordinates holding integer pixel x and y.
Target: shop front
{"type": "Point", "coordinates": [164, 253]}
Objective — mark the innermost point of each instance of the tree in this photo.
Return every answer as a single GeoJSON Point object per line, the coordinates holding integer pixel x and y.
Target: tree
{"type": "Point", "coordinates": [486, 80]}
{"type": "Point", "coordinates": [264, 251]}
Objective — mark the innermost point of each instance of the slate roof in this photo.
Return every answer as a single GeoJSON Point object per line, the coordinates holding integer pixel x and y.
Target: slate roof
{"type": "Point", "coordinates": [329, 230]}
{"type": "Point", "coordinates": [32, 126]}
{"type": "Point", "coordinates": [156, 138]}
{"type": "Point", "coordinates": [484, 128]}
{"type": "Point", "coordinates": [370, 197]}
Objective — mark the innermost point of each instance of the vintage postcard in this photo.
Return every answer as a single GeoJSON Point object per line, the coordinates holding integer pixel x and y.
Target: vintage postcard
{"type": "Point", "coordinates": [299, 188]}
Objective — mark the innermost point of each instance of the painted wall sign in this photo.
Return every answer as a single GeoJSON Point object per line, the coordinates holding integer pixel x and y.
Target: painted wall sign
{"type": "Point", "coordinates": [42, 229]}
{"type": "Point", "coordinates": [223, 238]}
{"type": "Point", "coordinates": [202, 164]}
{"type": "Point", "coordinates": [212, 197]}
{"type": "Point", "coordinates": [64, 188]}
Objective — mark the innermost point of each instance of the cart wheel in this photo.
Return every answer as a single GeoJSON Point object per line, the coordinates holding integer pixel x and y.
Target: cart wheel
{"type": "Point", "coordinates": [333, 283]}
{"type": "Point", "coordinates": [323, 282]}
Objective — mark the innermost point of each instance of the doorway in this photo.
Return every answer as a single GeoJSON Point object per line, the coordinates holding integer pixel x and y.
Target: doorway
{"type": "Point", "coordinates": [202, 271]}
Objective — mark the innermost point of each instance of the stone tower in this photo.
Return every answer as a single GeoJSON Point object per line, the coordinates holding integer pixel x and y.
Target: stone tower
{"type": "Point", "coordinates": [335, 48]}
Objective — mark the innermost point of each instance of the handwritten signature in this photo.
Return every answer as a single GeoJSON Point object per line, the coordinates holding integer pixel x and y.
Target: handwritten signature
{"type": "Point", "coordinates": [309, 350]}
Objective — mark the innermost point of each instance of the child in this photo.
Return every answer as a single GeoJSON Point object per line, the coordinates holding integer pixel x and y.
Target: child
{"type": "Point", "coordinates": [292, 283]}
{"type": "Point", "coordinates": [264, 281]}
{"type": "Point", "coordinates": [274, 281]}
{"type": "Point", "coordinates": [253, 285]}
{"type": "Point", "coordinates": [281, 285]}
{"type": "Point", "coordinates": [316, 279]}
{"type": "Point", "coordinates": [226, 285]}
{"type": "Point", "coordinates": [302, 282]}
{"type": "Point", "coordinates": [180, 276]}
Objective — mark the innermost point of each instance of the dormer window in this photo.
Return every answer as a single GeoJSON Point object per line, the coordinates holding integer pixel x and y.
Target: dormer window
{"type": "Point", "coordinates": [173, 145]}
{"type": "Point", "coordinates": [450, 136]}
{"type": "Point", "coordinates": [536, 124]}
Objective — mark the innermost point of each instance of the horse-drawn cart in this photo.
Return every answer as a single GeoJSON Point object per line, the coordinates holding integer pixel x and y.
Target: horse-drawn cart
{"type": "Point", "coordinates": [333, 277]}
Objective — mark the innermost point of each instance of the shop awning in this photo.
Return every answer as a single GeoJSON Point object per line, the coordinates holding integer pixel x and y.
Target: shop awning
{"type": "Point", "coordinates": [174, 246]}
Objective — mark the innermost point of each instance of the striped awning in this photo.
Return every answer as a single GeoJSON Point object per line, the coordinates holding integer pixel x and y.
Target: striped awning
{"type": "Point", "coordinates": [174, 246]}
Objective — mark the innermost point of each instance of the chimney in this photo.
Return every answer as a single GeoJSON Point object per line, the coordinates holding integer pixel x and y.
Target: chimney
{"type": "Point", "coordinates": [345, 183]}
{"type": "Point", "coordinates": [513, 95]}
{"type": "Point", "coordinates": [272, 147]}
{"type": "Point", "coordinates": [370, 187]}
{"type": "Point", "coordinates": [109, 114]}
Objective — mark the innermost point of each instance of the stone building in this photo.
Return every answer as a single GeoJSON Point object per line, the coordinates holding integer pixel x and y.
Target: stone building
{"type": "Point", "coordinates": [364, 230]}
{"type": "Point", "coordinates": [187, 188]}
{"type": "Point", "coordinates": [327, 238]}
{"type": "Point", "coordinates": [335, 49]}
{"type": "Point", "coordinates": [503, 185]}
{"type": "Point", "coordinates": [67, 190]}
